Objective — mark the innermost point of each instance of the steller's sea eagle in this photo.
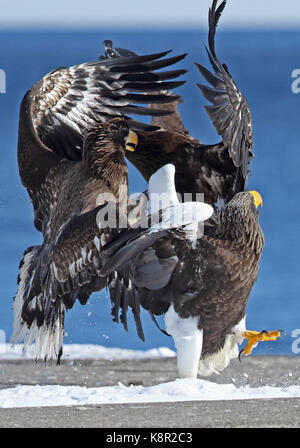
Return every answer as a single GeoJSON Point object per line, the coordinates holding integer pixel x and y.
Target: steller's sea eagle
{"type": "Point", "coordinates": [162, 266]}
{"type": "Point", "coordinates": [73, 132]}
{"type": "Point", "coordinates": [202, 284]}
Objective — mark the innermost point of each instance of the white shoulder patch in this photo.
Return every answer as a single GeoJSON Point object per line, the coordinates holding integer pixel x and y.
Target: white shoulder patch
{"type": "Point", "coordinates": [163, 196]}
{"type": "Point", "coordinates": [162, 192]}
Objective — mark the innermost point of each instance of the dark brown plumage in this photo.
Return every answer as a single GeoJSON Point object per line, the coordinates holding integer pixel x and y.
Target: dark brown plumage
{"type": "Point", "coordinates": [57, 111]}
{"type": "Point", "coordinates": [66, 266]}
{"type": "Point", "coordinates": [219, 170]}
{"type": "Point", "coordinates": [227, 259]}
{"type": "Point", "coordinates": [210, 280]}
{"type": "Point", "coordinates": [202, 286]}
{"type": "Point", "coordinates": [70, 150]}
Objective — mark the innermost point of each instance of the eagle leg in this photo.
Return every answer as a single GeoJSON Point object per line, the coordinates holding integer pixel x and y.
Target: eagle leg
{"type": "Point", "coordinates": [254, 337]}
{"type": "Point", "coordinates": [188, 342]}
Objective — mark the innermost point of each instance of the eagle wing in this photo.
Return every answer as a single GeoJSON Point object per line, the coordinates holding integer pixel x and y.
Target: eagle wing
{"type": "Point", "coordinates": [229, 111]}
{"type": "Point", "coordinates": [76, 257]}
{"type": "Point", "coordinates": [135, 271]}
{"type": "Point", "coordinates": [220, 170]}
{"type": "Point", "coordinates": [74, 98]}
{"type": "Point", "coordinates": [59, 108]}
{"type": "Point", "coordinates": [142, 259]}
{"type": "Point", "coordinates": [60, 272]}
{"type": "Point", "coordinates": [141, 267]}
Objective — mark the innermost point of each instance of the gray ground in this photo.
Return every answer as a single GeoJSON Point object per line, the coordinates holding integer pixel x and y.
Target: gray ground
{"type": "Point", "coordinates": [254, 370]}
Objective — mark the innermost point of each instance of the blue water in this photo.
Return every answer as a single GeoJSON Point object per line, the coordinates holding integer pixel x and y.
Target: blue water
{"type": "Point", "coordinates": [262, 63]}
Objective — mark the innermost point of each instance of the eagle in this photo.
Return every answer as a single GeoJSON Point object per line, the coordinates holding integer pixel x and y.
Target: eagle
{"type": "Point", "coordinates": [217, 170]}
{"type": "Point", "coordinates": [74, 130]}
{"type": "Point", "coordinates": [200, 283]}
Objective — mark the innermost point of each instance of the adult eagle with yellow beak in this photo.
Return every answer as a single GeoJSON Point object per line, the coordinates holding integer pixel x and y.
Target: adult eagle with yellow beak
{"type": "Point", "coordinates": [200, 284]}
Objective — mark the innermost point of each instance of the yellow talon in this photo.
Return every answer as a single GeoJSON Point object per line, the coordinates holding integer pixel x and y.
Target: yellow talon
{"type": "Point", "coordinates": [254, 337]}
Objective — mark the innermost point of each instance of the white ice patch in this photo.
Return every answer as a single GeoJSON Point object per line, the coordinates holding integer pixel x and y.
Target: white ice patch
{"type": "Point", "coordinates": [174, 391]}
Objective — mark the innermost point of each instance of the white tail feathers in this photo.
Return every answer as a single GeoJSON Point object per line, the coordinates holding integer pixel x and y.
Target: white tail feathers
{"type": "Point", "coordinates": [48, 336]}
{"type": "Point", "coordinates": [24, 278]}
{"type": "Point", "coordinates": [48, 339]}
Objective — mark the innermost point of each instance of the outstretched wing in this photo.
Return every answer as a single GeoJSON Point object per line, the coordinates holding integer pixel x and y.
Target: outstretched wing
{"type": "Point", "coordinates": [69, 100]}
{"type": "Point", "coordinates": [229, 111]}
{"type": "Point", "coordinates": [59, 108]}
{"type": "Point", "coordinates": [169, 120]}
{"type": "Point", "coordinates": [218, 171]}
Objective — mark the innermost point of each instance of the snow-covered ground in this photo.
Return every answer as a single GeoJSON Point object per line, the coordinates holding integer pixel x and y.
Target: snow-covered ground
{"type": "Point", "coordinates": [178, 390]}
{"type": "Point", "coordinates": [85, 351]}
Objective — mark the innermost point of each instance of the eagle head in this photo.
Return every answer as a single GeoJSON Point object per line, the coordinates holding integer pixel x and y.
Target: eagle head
{"type": "Point", "coordinates": [239, 220]}
{"type": "Point", "coordinates": [109, 137]}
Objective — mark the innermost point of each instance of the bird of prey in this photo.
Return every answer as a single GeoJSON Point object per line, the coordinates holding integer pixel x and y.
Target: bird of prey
{"type": "Point", "coordinates": [200, 283]}
{"type": "Point", "coordinates": [218, 170]}
{"type": "Point", "coordinates": [73, 132]}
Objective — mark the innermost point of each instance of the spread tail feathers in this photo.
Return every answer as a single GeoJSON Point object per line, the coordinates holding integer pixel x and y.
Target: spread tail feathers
{"type": "Point", "coordinates": [35, 317]}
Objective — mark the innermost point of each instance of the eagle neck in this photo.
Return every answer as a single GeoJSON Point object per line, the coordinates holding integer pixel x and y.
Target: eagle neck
{"type": "Point", "coordinates": [105, 161]}
{"type": "Point", "coordinates": [245, 233]}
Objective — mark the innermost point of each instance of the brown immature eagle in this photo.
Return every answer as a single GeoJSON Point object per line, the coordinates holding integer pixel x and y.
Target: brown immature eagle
{"type": "Point", "coordinates": [73, 132]}
{"type": "Point", "coordinates": [201, 284]}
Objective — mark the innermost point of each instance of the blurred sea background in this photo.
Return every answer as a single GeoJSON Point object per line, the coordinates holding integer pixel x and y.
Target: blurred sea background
{"type": "Point", "coordinates": [261, 63]}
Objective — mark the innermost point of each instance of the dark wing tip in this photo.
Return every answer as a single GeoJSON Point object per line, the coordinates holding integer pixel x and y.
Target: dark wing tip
{"type": "Point", "coordinates": [229, 112]}
{"type": "Point", "coordinates": [214, 15]}
{"type": "Point", "coordinates": [111, 52]}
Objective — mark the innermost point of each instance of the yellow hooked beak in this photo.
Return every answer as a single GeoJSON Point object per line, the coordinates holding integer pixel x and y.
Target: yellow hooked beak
{"type": "Point", "coordinates": [257, 198]}
{"type": "Point", "coordinates": [131, 141]}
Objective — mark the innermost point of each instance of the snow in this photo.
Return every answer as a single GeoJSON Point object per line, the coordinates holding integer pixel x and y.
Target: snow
{"type": "Point", "coordinates": [174, 391]}
{"type": "Point", "coordinates": [86, 351]}
{"type": "Point", "coordinates": [179, 390]}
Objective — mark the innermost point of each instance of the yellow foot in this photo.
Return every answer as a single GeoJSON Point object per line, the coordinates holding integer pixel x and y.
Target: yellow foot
{"type": "Point", "coordinates": [254, 337]}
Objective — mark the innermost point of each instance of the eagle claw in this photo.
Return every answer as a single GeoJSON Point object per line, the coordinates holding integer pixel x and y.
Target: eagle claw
{"type": "Point", "coordinates": [254, 337]}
